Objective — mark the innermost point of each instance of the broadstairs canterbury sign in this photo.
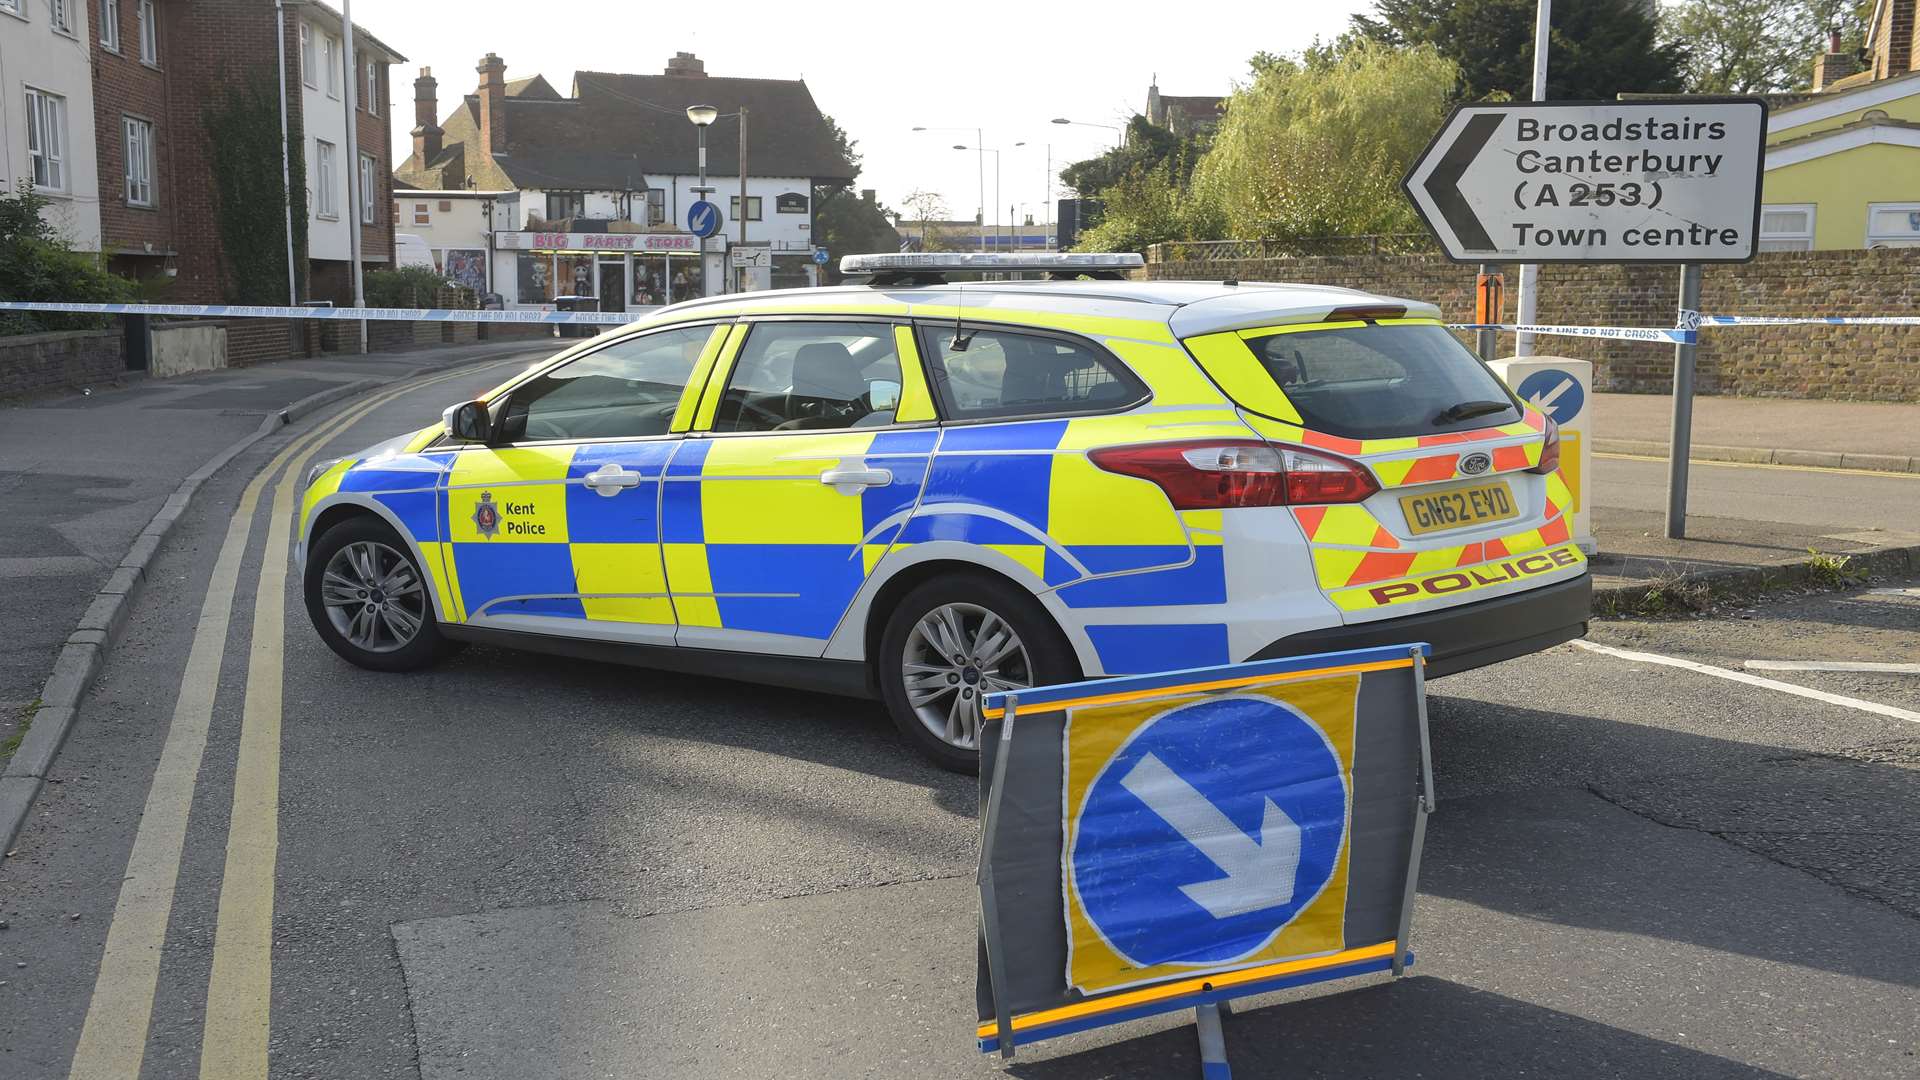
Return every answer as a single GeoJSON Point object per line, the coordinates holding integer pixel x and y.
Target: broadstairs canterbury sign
{"type": "Point", "coordinates": [1622, 181]}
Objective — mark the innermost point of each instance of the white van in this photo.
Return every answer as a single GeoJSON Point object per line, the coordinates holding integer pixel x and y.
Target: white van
{"type": "Point", "coordinates": [410, 249]}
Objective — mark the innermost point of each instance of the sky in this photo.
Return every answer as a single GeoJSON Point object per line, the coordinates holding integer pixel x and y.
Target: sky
{"type": "Point", "coordinates": [881, 69]}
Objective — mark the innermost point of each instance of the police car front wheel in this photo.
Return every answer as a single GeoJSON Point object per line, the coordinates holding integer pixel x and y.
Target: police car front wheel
{"type": "Point", "coordinates": [368, 599]}
{"type": "Point", "coordinates": [951, 642]}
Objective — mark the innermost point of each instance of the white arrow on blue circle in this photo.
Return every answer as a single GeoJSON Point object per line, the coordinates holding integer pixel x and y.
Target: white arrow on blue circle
{"type": "Point", "coordinates": [1544, 401]}
{"type": "Point", "coordinates": [1259, 871]}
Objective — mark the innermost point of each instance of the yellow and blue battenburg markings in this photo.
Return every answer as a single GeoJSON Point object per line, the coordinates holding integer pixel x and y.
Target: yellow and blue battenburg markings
{"type": "Point", "coordinates": [1215, 833]}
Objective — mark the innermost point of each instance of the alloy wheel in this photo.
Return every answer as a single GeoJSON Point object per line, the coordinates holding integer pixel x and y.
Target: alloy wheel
{"type": "Point", "coordinates": [373, 596]}
{"type": "Point", "coordinates": [955, 655]}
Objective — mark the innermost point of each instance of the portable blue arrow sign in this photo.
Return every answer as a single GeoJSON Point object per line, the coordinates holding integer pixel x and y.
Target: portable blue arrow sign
{"type": "Point", "coordinates": [1208, 831]}
{"type": "Point", "coordinates": [1556, 393]}
{"type": "Point", "coordinates": [703, 219]}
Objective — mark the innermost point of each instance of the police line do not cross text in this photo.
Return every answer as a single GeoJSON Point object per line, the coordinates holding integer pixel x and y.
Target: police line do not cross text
{"type": "Point", "coordinates": [1595, 182]}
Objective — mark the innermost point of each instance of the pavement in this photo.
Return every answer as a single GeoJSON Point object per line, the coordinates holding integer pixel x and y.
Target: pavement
{"type": "Point", "coordinates": [1833, 434]}
{"type": "Point", "coordinates": [516, 866]}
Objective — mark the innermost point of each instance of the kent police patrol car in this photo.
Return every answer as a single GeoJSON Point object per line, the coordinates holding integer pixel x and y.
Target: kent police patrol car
{"type": "Point", "coordinates": [925, 491]}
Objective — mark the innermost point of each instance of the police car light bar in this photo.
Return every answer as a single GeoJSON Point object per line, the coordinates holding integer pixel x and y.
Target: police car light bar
{"type": "Point", "coordinates": [933, 262]}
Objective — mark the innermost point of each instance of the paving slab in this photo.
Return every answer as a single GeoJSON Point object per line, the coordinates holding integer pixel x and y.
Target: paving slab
{"type": "Point", "coordinates": [1861, 427]}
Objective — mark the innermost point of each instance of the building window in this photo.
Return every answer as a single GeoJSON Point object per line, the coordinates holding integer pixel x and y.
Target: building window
{"type": "Point", "coordinates": [369, 169]}
{"type": "Point", "coordinates": [446, 206]}
{"type": "Point", "coordinates": [139, 146]}
{"type": "Point", "coordinates": [566, 204]}
{"type": "Point", "coordinates": [372, 98]}
{"type": "Point", "coordinates": [149, 33]}
{"type": "Point", "coordinates": [11, 7]}
{"type": "Point", "coordinates": [656, 206]}
{"type": "Point", "coordinates": [1786, 227]}
{"type": "Point", "coordinates": [1893, 225]}
{"type": "Point", "coordinates": [324, 198]}
{"type": "Point", "coordinates": [753, 208]}
{"type": "Point", "coordinates": [307, 63]}
{"type": "Point", "coordinates": [47, 139]}
{"type": "Point", "coordinates": [421, 214]}
{"type": "Point", "coordinates": [333, 66]}
{"type": "Point", "coordinates": [110, 25]}
{"type": "Point", "coordinates": [62, 20]}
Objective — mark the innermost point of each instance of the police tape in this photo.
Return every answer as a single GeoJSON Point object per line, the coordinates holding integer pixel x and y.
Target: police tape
{"type": "Point", "coordinates": [1814, 320]}
{"type": "Point", "coordinates": [254, 311]}
{"type": "Point", "coordinates": [1674, 335]}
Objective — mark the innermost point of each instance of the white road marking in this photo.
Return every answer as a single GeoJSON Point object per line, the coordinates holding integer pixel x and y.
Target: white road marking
{"type": "Point", "coordinates": [1754, 680]}
{"type": "Point", "coordinates": [1893, 592]}
{"type": "Point", "coordinates": [1832, 665]}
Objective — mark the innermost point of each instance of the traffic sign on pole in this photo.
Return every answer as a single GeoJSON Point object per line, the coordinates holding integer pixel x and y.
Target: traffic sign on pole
{"type": "Point", "coordinates": [820, 256]}
{"type": "Point", "coordinates": [1615, 181]}
{"type": "Point", "coordinates": [703, 219]}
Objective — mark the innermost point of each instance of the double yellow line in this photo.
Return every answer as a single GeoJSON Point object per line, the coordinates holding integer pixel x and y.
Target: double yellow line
{"type": "Point", "coordinates": [113, 1039]}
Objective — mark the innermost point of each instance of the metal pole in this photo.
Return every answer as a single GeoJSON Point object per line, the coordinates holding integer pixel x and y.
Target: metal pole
{"type": "Point", "coordinates": [1681, 442]}
{"type": "Point", "coordinates": [706, 268]}
{"type": "Point", "coordinates": [1051, 244]}
{"type": "Point", "coordinates": [980, 161]}
{"type": "Point", "coordinates": [989, 899]}
{"type": "Point", "coordinates": [354, 194]}
{"type": "Point", "coordinates": [286, 154]}
{"type": "Point", "coordinates": [743, 191]}
{"type": "Point", "coordinates": [1489, 340]}
{"type": "Point", "coordinates": [1529, 273]}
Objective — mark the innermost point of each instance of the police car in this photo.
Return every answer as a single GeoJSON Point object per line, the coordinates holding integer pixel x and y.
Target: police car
{"type": "Point", "coordinates": [923, 491]}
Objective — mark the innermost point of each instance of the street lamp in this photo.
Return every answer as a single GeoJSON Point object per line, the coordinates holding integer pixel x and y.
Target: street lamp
{"type": "Point", "coordinates": [1120, 136]}
{"type": "Point", "coordinates": [703, 117]}
{"type": "Point", "coordinates": [996, 186]}
{"type": "Point", "coordinates": [978, 137]}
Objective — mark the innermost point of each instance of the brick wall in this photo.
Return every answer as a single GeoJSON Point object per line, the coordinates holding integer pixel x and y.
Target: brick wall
{"type": "Point", "coordinates": [1864, 363]}
{"type": "Point", "coordinates": [70, 360]}
{"type": "Point", "coordinates": [259, 341]}
{"type": "Point", "coordinates": [125, 87]}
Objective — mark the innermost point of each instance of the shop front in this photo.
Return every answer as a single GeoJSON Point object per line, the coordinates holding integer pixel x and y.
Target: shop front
{"type": "Point", "coordinates": [624, 271]}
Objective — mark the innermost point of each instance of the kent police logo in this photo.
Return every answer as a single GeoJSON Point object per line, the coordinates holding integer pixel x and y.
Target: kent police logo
{"type": "Point", "coordinates": [1476, 463]}
{"type": "Point", "coordinates": [486, 516]}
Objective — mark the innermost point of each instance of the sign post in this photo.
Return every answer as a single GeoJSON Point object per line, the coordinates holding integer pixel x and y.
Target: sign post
{"type": "Point", "coordinates": [1160, 843]}
{"type": "Point", "coordinates": [1680, 441]}
{"type": "Point", "coordinates": [1674, 181]}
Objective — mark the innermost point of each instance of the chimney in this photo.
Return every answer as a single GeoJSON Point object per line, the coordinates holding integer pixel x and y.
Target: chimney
{"type": "Point", "coordinates": [685, 65]}
{"type": "Point", "coordinates": [426, 105]}
{"type": "Point", "coordinates": [1835, 65]}
{"type": "Point", "coordinates": [493, 103]}
{"type": "Point", "coordinates": [867, 195]}
{"type": "Point", "coordinates": [1896, 49]}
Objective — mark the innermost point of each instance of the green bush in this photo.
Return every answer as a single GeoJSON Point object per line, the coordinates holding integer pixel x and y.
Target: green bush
{"type": "Point", "coordinates": [407, 287]}
{"type": "Point", "coordinates": [36, 264]}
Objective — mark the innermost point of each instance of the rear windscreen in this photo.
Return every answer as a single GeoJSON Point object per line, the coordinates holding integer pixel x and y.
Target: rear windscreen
{"type": "Point", "coordinates": [1380, 382]}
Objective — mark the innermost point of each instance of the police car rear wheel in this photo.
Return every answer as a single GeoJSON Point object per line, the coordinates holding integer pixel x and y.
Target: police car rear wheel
{"type": "Point", "coordinates": [953, 641]}
{"type": "Point", "coordinates": [368, 599]}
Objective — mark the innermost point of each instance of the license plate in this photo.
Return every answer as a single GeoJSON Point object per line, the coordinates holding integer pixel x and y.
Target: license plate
{"type": "Point", "coordinates": [1458, 508]}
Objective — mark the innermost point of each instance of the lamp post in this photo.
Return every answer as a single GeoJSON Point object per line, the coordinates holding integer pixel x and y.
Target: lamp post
{"type": "Point", "coordinates": [1120, 133]}
{"type": "Point", "coordinates": [996, 186]}
{"type": "Point", "coordinates": [978, 138]}
{"type": "Point", "coordinates": [703, 117]}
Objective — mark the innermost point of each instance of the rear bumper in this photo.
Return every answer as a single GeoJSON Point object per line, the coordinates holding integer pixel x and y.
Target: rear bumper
{"type": "Point", "coordinates": [1468, 636]}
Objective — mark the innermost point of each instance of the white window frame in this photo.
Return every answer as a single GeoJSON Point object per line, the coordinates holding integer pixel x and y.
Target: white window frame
{"type": "Point", "coordinates": [754, 206]}
{"type": "Point", "coordinates": [1896, 207]}
{"type": "Point", "coordinates": [308, 60]}
{"type": "Point", "coordinates": [371, 99]}
{"type": "Point", "coordinates": [14, 7]}
{"type": "Point", "coordinates": [326, 205]}
{"type": "Point", "coordinates": [47, 140]}
{"type": "Point", "coordinates": [149, 32]}
{"type": "Point", "coordinates": [369, 169]}
{"type": "Point", "coordinates": [333, 66]}
{"type": "Point", "coordinates": [110, 25]}
{"type": "Point", "coordinates": [60, 16]}
{"type": "Point", "coordinates": [422, 213]}
{"type": "Point", "coordinates": [137, 142]}
{"type": "Point", "coordinates": [1788, 241]}
{"type": "Point", "coordinates": [656, 206]}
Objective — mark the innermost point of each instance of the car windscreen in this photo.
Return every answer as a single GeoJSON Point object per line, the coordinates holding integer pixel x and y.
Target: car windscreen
{"type": "Point", "coordinates": [1384, 381]}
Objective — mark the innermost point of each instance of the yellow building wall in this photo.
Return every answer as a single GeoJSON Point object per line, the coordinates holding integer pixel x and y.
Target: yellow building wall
{"type": "Point", "coordinates": [1841, 185]}
{"type": "Point", "coordinates": [1906, 108]}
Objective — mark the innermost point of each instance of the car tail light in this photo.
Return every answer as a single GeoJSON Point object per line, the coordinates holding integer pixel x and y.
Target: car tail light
{"type": "Point", "coordinates": [1550, 450]}
{"type": "Point", "coordinates": [1216, 474]}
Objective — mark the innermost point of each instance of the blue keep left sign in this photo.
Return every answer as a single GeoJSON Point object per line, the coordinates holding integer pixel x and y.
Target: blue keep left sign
{"type": "Point", "coordinates": [1207, 831]}
{"type": "Point", "coordinates": [1556, 393]}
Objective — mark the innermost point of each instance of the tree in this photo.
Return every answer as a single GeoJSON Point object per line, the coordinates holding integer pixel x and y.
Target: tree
{"type": "Point", "coordinates": [1145, 147]}
{"type": "Point", "coordinates": [1598, 49]}
{"type": "Point", "coordinates": [852, 226]}
{"type": "Point", "coordinates": [36, 264]}
{"type": "Point", "coordinates": [1758, 46]}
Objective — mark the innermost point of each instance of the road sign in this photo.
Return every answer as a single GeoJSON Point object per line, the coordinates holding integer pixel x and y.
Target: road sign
{"type": "Point", "coordinates": [1617, 181]}
{"type": "Point", "coordinates": [1159, 842]}
{"type": "Point", "coordinates": [703, 219]}
{"type": "Point", "coordinates": [820, 256]}
{"type": "Point", "coordinates": [1213, 825]}
{"type": "Point", "coordinates": [750, 256]}
{"type": "Point", "coordinates": [1555, 392]}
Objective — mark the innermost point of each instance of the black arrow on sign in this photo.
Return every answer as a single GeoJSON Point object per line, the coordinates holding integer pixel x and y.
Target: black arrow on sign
{"type": "Point", "coordinates": [1443, 184]}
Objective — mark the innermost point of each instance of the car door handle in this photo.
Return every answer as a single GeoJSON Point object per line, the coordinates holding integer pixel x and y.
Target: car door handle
{"type": "Point", "coordinates": [611, 479]}
{"type": "Point", "coordinates": [850, 481]}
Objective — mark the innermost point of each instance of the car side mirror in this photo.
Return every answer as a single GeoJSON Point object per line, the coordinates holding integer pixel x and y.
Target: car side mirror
{"type": "Point", "coordinates": [468, 421]}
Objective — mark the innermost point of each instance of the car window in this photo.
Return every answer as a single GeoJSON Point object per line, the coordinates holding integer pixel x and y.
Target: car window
{"type": "Point", "coordinates": [812, 376]}
{"type": "Point", "coordinates": [1003, 373]}
{"type": "Point", "coordinates": [1377, 382]}
{"type": "Point", "coordinates": [629, 389]}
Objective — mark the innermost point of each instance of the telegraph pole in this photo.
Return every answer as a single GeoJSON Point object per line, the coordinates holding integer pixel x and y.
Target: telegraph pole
{"type": "Point", "coordinates": [743, 192]}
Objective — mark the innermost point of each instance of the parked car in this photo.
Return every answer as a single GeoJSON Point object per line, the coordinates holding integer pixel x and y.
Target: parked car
{"type": "Point", "coordinates": [924, 492]}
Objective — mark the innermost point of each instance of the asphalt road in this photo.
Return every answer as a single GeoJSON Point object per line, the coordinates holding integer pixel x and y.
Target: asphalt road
{"type": "Point", "coordinates": [518, 866]}
{"type": "Point", "coordinates": [1830, 499]}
